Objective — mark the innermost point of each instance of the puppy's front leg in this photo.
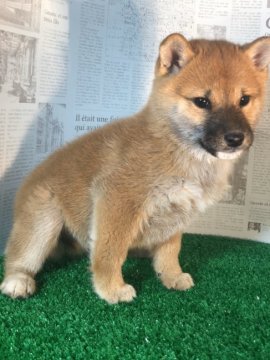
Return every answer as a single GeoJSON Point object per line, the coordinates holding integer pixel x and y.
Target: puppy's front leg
{"type": "Point", "coordinates": [113, 233]}
{"type": "Point", "coordinates": [166, 264]}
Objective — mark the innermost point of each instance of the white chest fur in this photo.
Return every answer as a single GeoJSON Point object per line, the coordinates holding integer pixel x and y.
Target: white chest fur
{"type": "Point", "coordinates": [172, 203]}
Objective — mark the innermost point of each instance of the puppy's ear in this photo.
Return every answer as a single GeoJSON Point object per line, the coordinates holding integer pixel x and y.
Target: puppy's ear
{"type": "Point", "coordinates": [174, 52]}
{"type": "Point", "coordinates": [259, 52]}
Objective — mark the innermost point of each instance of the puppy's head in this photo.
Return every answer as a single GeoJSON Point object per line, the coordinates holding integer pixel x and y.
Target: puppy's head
{"type": "Point", "coordinates": [211, 92]}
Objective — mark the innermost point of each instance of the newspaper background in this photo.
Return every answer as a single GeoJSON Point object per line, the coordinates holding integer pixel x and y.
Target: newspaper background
{"type": "Point", "coordinates": [56, 83]}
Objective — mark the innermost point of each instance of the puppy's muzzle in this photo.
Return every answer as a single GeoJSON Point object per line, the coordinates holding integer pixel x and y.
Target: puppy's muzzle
{"type": "Point", "coordinates": [226, 131]}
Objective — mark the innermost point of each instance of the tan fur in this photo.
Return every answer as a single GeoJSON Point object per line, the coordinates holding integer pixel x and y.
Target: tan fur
{"type": "Point", "coordinates": [136, 183]}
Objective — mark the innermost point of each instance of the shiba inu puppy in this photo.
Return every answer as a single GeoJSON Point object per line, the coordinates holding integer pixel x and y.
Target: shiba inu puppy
{"type": "Point", "coordinates": [137, 182]}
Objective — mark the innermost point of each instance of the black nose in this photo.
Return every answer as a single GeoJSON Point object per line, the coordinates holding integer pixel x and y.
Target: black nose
{"type": "Point", "coordinates": [234, 138]}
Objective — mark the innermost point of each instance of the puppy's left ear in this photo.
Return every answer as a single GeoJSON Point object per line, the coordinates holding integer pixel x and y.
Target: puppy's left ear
{"type": "Point", "coordinates": [174, 53]}
{"type": "Point", "coordinates": [259, 52]}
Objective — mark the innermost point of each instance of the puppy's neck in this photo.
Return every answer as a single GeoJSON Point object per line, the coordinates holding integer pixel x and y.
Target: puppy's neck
{"type": "Point", "coordinates": [161, 128]}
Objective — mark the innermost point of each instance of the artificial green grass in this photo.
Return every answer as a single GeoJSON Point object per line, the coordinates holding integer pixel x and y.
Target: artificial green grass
{"type": "Point", "coordinates": [225, 316]}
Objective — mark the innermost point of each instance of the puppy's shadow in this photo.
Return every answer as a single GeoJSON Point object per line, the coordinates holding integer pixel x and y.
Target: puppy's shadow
{"type": "Point", "coordinates": [53, 268]}
{"type": "Point", "coordinates": [138, 271]}
{"type": "Point", "coordinates": [137, 268]}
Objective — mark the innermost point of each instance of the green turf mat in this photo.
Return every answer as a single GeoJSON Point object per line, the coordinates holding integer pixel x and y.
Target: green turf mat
{"type": "Point", "coordinates": [225, 316]}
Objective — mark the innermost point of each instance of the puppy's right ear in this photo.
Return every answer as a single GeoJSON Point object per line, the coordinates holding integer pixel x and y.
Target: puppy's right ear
{"type": "Point", "coordinates": [174, 52]}
{"type": "Point", "coordinates": [259, 52]}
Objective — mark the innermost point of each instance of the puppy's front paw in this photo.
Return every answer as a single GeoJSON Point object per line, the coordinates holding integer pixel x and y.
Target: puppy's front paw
{"type": "Point", "coordinates": [124, 293]}
{"type": "Point", "coordinates": [181, 281]}
{"type": "Point", "coordinates": [18, 285]}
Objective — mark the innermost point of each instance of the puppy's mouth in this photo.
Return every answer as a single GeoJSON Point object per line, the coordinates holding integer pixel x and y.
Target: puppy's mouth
{"type": "Point", "coordinates": [225, 154]}
{"type": "Point", "coordinates": [227, 148]}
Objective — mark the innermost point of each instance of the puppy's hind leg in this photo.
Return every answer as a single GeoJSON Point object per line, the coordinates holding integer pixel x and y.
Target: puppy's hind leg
{"type": "Point", "coordinates": [33, 237]}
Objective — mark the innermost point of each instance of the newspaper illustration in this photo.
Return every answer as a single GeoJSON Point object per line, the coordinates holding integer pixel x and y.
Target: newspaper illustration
{"type": "Point", "coordinates": [68, 67]}
{"type": "Point", "coordinates": [17, 68]}
{"type": "Point", "coordinates": [21, 14]}
{"type": "Point", "coordinates": [50, 128]}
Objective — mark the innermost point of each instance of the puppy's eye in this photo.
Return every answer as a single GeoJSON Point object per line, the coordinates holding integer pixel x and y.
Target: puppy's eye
{"type": "Point", "coordinates": [244, 100]}
{"type": "Point", "coordinates": [202, 102]}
